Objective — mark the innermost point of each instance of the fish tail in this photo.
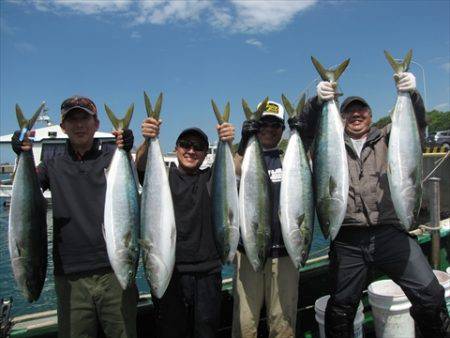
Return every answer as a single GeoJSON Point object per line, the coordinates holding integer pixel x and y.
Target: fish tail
{"type": "Point", "coordinates": [155, 113]}
{"type": "Point", "coordinates": [120, 124]}
{"type": "Point", "coordinates": [330, 74]}
{"type": "Point", "coordinates": [399, 66]}
{"type": "Point", "coordinates": [24, 124]}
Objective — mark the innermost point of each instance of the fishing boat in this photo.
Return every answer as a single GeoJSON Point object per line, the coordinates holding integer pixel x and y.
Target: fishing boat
{"type": "Point", "coordinates": [48, 140]}
{"type": "Point", "coordinates": [313, 277]}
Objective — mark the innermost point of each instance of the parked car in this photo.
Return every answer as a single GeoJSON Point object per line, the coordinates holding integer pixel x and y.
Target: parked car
{"type": "Point", "coordinates": [442, 139]}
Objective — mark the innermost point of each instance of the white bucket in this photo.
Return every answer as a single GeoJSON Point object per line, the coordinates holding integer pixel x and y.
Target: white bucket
{"type": "Point", "coordinates": [321, 305]}
{"type": "Point", "coordinates": [390, 306]}
{"type": "Point", "coordinates": [390, 310]}
{"type": "Point", "coordinates": [444, 280]}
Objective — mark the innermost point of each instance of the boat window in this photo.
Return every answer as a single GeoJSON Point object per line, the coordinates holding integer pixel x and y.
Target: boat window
{"type": "Point", "coordinates": [50, 150]}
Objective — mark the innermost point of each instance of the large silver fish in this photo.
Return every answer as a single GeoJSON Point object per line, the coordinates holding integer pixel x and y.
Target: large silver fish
{"type": "Point", "coordinates": [224, 195]}
{"type": "Point", "coordinates": [158, 230]}
{"type": "Point", "coordinates": [121, 215]}
{"type": "Point", "coordinates": [27, 232]}
{"type": "Point", "coordinates": [296, 195]}
{"type": "Point", "coordinates": [255, 209]}
{"type": "Point", "coordinates": [404, 154]}
{"type": "Point", "coordinates": [330, 167]}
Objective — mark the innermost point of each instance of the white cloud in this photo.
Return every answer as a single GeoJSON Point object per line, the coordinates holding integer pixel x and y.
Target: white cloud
{"type": "Point", "coordinates": [88, 7]}
{"type": "Point", "coordinates": [235, 16]}
{"type": "Point", "coordinates": [266, 16]}
{"type": "Point", "coordinates": [161, 12]}
{"type": "Point", "coordinates": [254, 42]}
{"type": "Point", "coordinates": [135, 35]}
{"type": "Point", "coordinates": [25, 47]}
{"type": "Point", "coordinates": [280, 71]}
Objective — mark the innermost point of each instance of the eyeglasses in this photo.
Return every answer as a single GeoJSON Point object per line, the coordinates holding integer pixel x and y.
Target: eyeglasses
{"type": "Point", "coordinates": [273, 125]}
{"type": "Point", "coordinates": [197, 146]}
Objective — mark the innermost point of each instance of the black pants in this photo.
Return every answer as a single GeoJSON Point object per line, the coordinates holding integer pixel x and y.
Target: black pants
{"type": "Point", "coordinates": [355, 250]}
{"type": "Point", "coordinates": [191, 306]}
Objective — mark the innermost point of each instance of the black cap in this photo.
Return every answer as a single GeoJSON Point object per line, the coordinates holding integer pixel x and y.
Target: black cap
{"type": "Point", "coordinates": [78, 102]}
{"type": "Point", "coordinates": [195, 131]}
{"type": "Point", "coordinates": [352, 99]}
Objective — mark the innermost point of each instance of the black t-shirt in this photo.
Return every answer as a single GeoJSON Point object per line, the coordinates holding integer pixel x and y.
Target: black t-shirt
{"type": "Point", "coordinates": [275, 171]}
{"type": "Point", "coordinates": [196, 250]}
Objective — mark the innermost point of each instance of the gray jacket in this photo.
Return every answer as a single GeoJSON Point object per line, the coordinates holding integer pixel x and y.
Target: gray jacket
{"type": "Point", "coordinates": [369, 199]}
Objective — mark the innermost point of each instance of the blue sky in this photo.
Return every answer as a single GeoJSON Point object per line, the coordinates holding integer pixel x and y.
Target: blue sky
{"type": "Point", "coordinates": [193, 51]}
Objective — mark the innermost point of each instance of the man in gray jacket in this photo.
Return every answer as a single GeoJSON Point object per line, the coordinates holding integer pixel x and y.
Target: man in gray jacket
{"type": "Point", "coordinates": [371, 235]}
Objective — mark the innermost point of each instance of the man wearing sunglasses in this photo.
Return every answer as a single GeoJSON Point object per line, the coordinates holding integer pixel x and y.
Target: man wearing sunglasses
{"type": "Point", "coordinates": [191, 304]}
{"type": "Point", "coordinates": [371, 234]}
{"type": "Point", "coordinates": [277, 284]}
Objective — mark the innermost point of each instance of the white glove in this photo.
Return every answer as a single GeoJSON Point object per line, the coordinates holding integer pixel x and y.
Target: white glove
{"type": "Point", "coordinates": [405, 82]}
{"type": "Point", "coordinates": [325, 91]}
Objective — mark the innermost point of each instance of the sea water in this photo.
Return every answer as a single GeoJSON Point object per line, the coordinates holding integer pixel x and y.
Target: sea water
{"type": "Point", "coordinates": [47, 300]}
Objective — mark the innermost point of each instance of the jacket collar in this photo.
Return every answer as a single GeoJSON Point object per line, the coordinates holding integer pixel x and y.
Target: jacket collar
{"type": "Point", "coordinates": [373, 136]}
{"type": "Point", "coordinates": [90, 154]}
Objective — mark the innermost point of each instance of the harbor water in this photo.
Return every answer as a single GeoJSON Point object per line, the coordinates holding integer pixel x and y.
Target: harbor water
{"type": "Point", "coordinates": [47, 300]}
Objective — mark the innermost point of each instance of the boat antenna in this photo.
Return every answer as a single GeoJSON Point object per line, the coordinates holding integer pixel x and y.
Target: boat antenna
{"type": "Point", "coordinates": [43, 116]}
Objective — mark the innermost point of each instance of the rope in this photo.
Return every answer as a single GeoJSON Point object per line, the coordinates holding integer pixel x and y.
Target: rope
{"type": "Point", "coordinates": [428, 228]}
{"type": "Point", "coordinates": [441, 161]}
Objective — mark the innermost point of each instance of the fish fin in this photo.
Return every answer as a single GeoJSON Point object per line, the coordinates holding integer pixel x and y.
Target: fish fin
{"type": "Point", "coordinates": [391, 113]}
{"type": "Point", "coordinates": [158, 105]}
{"type": "Point", "coordinates": [230, 216]}
{"type": "Point", "coordinates": [145, 244]}
{"type": "Point", "coordinates": [19, 249]}
{"type": "Point", "coordinates": [262, 107]}
{"type": "Point", "coordinates": [332, 186]}
{"type": "Point", "coordinates": [397, 66]}
{"type": "Point", "coordinates": [103, 231]}
{"type": "Point", "coordinates": [413, 175]}
{"type": "Point", "coordinates": [217, 112]}
{"type": "Point", "coordinates": [300, 219]}
{"type": "Point", "coordinates": [301, 104]}
{"type": "Point", "coordinates": [127, 239]}
{"type": "Point", "coordinates": [148, 105]}
{"type": "Point", "coordinates": [226, 113]}
{"type": "Point", "coordinates": [247, 111]}
{"type": "Point", "coordinates": [287, 104]}
{"type": "Point", "coordinates": [330, 74]}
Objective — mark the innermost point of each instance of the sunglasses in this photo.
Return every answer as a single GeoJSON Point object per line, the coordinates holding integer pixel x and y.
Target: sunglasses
{"type": "Point", "coordinates": [273, 125]}
{"type": "Point", "coordinates": [197, 146]}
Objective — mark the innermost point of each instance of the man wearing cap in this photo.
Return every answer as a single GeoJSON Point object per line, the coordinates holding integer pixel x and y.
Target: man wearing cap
{"type": "Point", "coordinates": [371, 235]}
{"type": "Point", "coordinates": [276, 285]}
{"type": "Point", "coordinates": [191, 304]}
{"type": "Point", "coordinates": [89, 297]}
